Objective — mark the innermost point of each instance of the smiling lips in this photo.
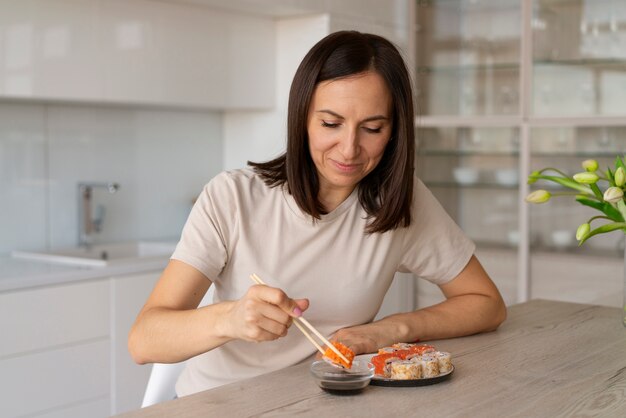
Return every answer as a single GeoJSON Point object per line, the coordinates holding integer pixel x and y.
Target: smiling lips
{"type": "Point", "coordinates": [345, 168]}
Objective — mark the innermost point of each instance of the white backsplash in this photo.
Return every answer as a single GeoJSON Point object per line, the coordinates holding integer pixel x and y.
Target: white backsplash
{"type": "Point", "coordinates": [160, 158]}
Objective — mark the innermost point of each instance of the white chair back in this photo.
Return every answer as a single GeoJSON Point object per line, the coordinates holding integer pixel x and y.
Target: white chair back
{"type": "Point", "coordinates": [162, 382]}
{"type": "Point", "coordinates": [161, 385]}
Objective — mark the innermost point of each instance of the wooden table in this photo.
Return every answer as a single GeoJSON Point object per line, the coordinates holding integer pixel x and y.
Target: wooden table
{"type": "Point", "coordinates": [549, 359]}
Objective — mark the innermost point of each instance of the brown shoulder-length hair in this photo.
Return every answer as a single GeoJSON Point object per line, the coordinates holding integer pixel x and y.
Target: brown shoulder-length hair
{"type": "Point", "coordinates": [385, 193]}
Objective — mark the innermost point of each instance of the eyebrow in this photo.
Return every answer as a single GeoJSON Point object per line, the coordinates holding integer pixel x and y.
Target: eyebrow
{"type": "Point", "coordinates": [368, 119]}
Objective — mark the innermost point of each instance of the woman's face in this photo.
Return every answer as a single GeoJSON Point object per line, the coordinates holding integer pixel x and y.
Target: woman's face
{"type": "Point", "coordinates": [349, 125]}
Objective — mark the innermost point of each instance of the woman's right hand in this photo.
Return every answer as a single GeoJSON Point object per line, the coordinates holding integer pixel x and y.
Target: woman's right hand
{"type": "Point", "coordinates": [263, 314]}
{"type": "Point", "coordinates": [171, 328]}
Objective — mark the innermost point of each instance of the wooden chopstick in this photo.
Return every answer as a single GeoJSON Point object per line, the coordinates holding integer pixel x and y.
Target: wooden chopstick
{"type": "Point", "coordinates": [306, 334]}
{"type": "Point", "coordinates": [296, 321]}
{"type": "Point", "coordinates": [258, 280]}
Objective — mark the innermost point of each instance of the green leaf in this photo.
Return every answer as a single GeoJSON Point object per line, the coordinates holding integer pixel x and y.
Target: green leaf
{"type": "Point", "coordinates": [604, 229]}
{"type": "Point", "coordinates": [563, 181]}
{"type": "Point", "coordinates": [604, 207]}
{"type": "Point", "coordinates": [596, 191]}
{"type": "Point", "coordinates": [610, 176]}
{"type": "Point", "coordinates": [619, 163]}
{"type": "Point", "coordinates": [621, 206]}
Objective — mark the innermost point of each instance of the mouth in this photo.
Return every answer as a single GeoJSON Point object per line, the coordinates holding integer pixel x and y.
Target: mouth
{"type": "Point", "coordinates": [345, 168]}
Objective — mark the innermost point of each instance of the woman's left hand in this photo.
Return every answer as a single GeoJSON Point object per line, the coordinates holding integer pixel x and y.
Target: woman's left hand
{"type": "Point", "coordinates": [359, 339]}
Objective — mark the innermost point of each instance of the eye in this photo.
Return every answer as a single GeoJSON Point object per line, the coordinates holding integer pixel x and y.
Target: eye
{"type": "Point", "coordinates": [329, 124]}
{"type": "Point", "coordinates": [372, 130]}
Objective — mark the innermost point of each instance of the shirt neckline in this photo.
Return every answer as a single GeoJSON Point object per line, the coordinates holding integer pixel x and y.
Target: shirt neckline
{"type": "Point", "coordinates": [329, 217]}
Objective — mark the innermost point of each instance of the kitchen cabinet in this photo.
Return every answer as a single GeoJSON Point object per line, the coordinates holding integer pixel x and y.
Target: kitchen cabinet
{"type": "Point", "coordinates": [505, 87]}
{"type": "Point", "coordinates": [139, 53]}
{"type": "Point", "coordinates": [55, 349]}
{"type": "Point", "coordinates": [129, 293]}
{"type": "Point", "coordinates": [64, 348]}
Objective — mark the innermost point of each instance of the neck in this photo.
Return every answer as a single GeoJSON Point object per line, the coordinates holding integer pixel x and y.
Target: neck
{"type": "Point", "coordinates": [331, 199]}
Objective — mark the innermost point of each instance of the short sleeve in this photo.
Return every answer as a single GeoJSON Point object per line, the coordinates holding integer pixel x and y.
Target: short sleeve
{"type": "Point", "coordinates": [435, 247]}
{"type": "Point", "coordinates": [203, 242]}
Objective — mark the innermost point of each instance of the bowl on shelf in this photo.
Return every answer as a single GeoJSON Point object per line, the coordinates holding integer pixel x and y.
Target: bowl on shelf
{"type": "Point", "coordinates": [512, 237]}
{"type": "Point", "coordinates": [562, 238]}
{"type": "Point", "coordinates": [465, 175]}
{"type": "Point", "coordinates": [507, 176]}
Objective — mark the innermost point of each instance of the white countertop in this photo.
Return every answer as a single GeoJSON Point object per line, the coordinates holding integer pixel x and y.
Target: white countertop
{"type": "Point", "coordinates": [16, 274]}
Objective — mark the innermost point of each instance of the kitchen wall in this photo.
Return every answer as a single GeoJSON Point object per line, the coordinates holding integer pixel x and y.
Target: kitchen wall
{"type": "Point", "coordinates": [160, 158]}
{"type": "Point", "coordinates": [260, 135]}
{"type": "Point", "coordinates": [125, 91]}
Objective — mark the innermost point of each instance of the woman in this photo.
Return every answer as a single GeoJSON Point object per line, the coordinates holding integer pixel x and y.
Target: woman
{"type": "Point", "coordinates": [326, 225]}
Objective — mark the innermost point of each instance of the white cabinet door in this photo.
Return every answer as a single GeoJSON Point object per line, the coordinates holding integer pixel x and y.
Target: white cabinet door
{"type": "Point", "coordinates": [139, 52]}
{"type": "Point", "coordinates": [129, 293]}
{"type": "Point", "coordinates": [175, 54]}
{"type": "Point", "coordinates": [55, 346]}
{"type": "Point", "coordinates": [56, 380]}
{"type": "Point", "coordinates": [40, 318]}
{"type": "Point", "coordinates": [48, 50]}
{"type": "Point", "coordinates": [92, 409]}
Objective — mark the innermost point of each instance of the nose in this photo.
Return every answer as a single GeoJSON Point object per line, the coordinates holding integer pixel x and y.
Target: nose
{"type": "Point", "coordinates": [349, 146]}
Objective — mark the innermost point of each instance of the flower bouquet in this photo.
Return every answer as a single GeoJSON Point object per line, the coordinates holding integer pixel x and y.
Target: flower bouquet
{"type": "Point", "coordinates": [587, 191]}
{"type": "Point", "coordinates": [609, 202]}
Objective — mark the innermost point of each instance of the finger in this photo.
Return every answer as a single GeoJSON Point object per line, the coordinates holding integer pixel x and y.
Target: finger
{"type": "Point", "coordinates": [279, 298]}
{"type": "Point", "coordinates": [265, 329]}
{"type": "Point", "coordinates": [258, 334]}
{"type": "Point", "coordinates": [263, 314]}
{"type": "Point", "coordinates": [273, 313]}
{"type": "Point", "coordinates": [303, 304]}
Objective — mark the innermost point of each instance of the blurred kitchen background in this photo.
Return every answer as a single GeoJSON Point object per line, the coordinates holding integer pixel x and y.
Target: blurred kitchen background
{"type": "Point", "coordinates": [158, 96]}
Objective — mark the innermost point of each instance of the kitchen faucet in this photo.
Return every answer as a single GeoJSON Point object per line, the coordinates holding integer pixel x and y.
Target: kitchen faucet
{"type": "Point", "coordinates": [87, 223]}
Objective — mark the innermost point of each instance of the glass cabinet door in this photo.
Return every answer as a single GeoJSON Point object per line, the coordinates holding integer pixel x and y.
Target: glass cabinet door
{"type": "Point", "coordinates": [579, 57]}
{"type": "Point", "coordinates": [471, 60]}
{"type": "Point", "coordinates": [467, 57]}
{"type": "Point", "coordinates": [474, 174]}
{"type": "Point", "coordinates": [559, 268]}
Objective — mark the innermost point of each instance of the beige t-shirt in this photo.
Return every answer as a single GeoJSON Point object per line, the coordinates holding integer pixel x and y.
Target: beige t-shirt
{"type": "Point", "coordinates": [241, 226]}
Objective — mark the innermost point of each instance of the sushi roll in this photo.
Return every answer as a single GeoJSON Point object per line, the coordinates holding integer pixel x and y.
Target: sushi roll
{"type": "Point", "coordinates": [422, 349]}
{"type": "Point", "coordinates": [402, 354]}
{"type": "Point", "coordinates": [395, 361]}
{"type": "Point", "coordinates": [430, 366]}
{"type": "Point", "coordinates": [396, 352]}
{"type": "Point", "coordinates": [404, 370]}
{"type": "Point", "coordinates": [331, 357]}
{"type": "Point", "coordinates": [414, 357]}
{"type": "Point", "coordinates": [402, 346]}
{"type": "Point", "coordinates": [382, 362]}
{"type": "Point", "coordinates": [445, 361]}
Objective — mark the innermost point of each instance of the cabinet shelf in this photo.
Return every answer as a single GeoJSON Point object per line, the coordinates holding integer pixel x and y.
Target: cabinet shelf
{"type": "Point", "coordinates": [495, 245]}
{"type": "Point", "coordinates": [583, 62]}
{"type": "Point", "coordinates": [574, 249]}
{"type": "Point", "coordinates": [470, 5]}
{"type": "Point", "coordinates": [424, 69]}
{"type": "Point", "coordinates": [581, 154]}
{"type": "Point", "coordinates": [475, 185]}
{"type": "Point", "coordinates": [459, 121]}
{"type": "Point", "coordinates": [611, 63]}
{"type": "Point", "coordinates": [468, 153]}
{"type": "Point", "coordinates": [515, 154]}
{"type": "Point", "coordinates": [544, 249]}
